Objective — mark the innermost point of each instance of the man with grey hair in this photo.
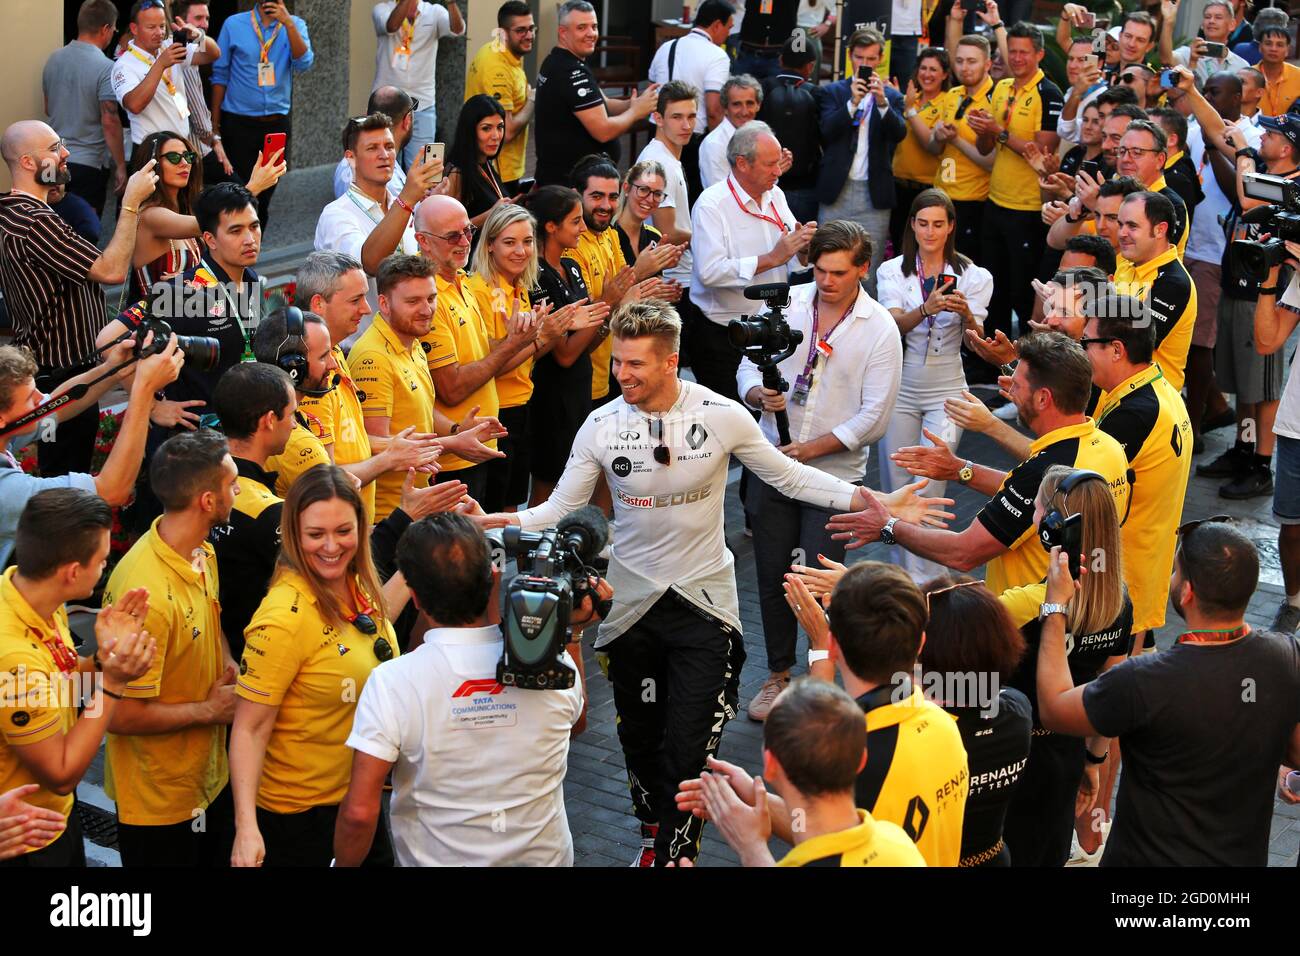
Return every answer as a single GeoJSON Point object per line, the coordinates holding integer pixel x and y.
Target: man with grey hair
{"type": "Point", "coordinates": [1216, 25]}
{"type": "Point", "coordinates": [742, 95]}
{"type": "Point", "coordinates": [742, 233]}
{"type": "Point", "coordinates": [574, 118]}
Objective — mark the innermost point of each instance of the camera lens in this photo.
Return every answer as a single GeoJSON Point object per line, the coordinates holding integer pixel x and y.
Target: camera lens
{"type": "Point", "coordinates": [745, 334]}
{"type": "Point", "coordinates": [200, 351]}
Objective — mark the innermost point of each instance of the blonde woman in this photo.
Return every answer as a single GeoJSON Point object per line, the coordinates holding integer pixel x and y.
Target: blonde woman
{"type": "Point", "coordinates": [309, 649]}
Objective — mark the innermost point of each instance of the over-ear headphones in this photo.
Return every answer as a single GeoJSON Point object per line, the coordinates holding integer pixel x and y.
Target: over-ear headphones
{"type": "Point", "coordinates": [1066, 530]}
{"type": "Point", "coordinates": [294, 361]}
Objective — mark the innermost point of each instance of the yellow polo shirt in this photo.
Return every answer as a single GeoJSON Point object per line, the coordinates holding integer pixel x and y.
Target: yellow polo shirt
{"type": "Point", "coordinates": [960, 177]}
{"type": "Point", "coordinates": [870, 843]}
{"type": "Point", "coordinates": [1034, 109]}
{"type": "Point", "coordinates": [514, 388]}
{"type": "Point", "coordinates": [500, 74]}
{"type": "Point", "coordinates": [304, 451]}
{"type": "Point", "coordinates": [1009, 514]}
{"type": "Point", "coordinates": [159, 779]}
{"type": "Point", "coordinates": [340, 416]}
{"type": "Point", "coordinates": [599, 256]}
{"type": "Point", "coordinates": [36, 698]}
{"type": "Point", "coordinates": [1166, 287]}
{"type": "Point", "coordinates": [911, 159]}
{"type": "Point", "coordinates": [460, 336]}
{"type": "Point", "coordinates": [1279, 96]}
{"type": "Point", "coordinates": [1178, 232]}
{"type": "Point", "coordinates": [313, 673]}
{"type": "Point", "coordinates": [392, 382]}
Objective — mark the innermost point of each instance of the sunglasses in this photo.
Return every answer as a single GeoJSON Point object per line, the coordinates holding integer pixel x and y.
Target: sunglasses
{"type": "Point", "coordinates": [1085, 342]}
{"type": "Point", "coordinates": [364, 622]}
{"type": "Point", "coordinates": [951, 587]}
{"type": "Point", "coordinates": [1190, 526]}
{"type": "Point", "coordinates": [454, 238]}
{"type": "Point", "coordinates": [188, 157]}
{"type": "Point", "coordinates": [662, 455]}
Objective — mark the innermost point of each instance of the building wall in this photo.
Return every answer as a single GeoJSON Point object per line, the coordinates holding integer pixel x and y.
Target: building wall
{"type": "Point", "coordinates": [34, 34]}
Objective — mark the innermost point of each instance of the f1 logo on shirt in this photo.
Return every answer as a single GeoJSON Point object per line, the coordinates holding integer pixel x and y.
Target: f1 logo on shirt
{"type": "Point", "coordinates": [483, 685]}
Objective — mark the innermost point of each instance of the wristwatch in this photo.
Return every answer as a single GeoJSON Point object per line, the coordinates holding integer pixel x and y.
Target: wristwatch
{"type": "Point", "coordinates": [1003, 137]}
{"type": "Point", "coordinates": [967, 472]}
{"type": "Point", "coordinates": [1047, 609]}
{"type": "Point", "coordinates": [887, 532]}
{"type": "Point", "coordinates": [1093, 758]}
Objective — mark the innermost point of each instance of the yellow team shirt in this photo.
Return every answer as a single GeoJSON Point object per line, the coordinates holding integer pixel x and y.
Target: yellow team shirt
{"type": "Point", "coordinates": [1177, 234]}
{"type": "Point", "coordinates": [924, 788]}
{"type": "Point", "coordinates": [313, 673]}
{"type": "Point", "coordinates": [1033, 109]}
{"type": "Point", "coordinates": [1279, 96]}
{"type": "Point", "coordinates": [1166, 287]}
{"type": "Point", "coordinates": [514, 388]}
{"type": "Point", "coordinates": [960, 177]}
{"type": "Point", "coordinates": [912, 160]}
{"type": "Point", "coordinates": [392, 382]}
{"type": "Point", "coordinates": [304, 451]}
{"type": "Point", "coordinates": [599, 256]}
{"type": "Point", "coordinates": [500, 74]}
{"type": "Point", "coordinates": [1009, 514]}
{"type": "Point", "coordinates": [1146, 415]}
{"type": "Point", "coordinates": [159, 779]}
{"type": "Point", "coordinates": [340, 417]}
{"type": "Point", "coordinates": [460, 336]}
{"type": "Point", "coordinates": [870, 843]}
{"type": "Point", "coordinates": [37, 700]}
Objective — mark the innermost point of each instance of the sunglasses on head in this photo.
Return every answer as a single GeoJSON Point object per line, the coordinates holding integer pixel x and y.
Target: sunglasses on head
{"type": "Point", "coordinates": [1190, 526]}
{"type": "Point", "coordinates": [951, 587]}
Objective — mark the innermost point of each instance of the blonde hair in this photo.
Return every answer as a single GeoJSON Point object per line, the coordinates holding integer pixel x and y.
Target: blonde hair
{"type": "Point", "coordinates": [1101, 598]}
{"type": "Point", "coordinates": [501, 217]}
{"type": "Point", "coordinates": [651, 317]}
{"type": "Point", "coordinates": [647, 167]}
{"type": "Point", "coordinates": [326, 483]}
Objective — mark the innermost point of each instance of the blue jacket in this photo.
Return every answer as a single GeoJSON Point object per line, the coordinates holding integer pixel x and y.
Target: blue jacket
{"type": "Point", "coordinates": [840, 141]}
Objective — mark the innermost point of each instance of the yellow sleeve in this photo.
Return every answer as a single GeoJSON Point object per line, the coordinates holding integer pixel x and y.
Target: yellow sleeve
{"type": "Point", "coordinates": [1023, 603]}
{"type": "Point", "coordinates": [29, 697]}
{"type": "Point", "coordinates": [273, 653]}
{"type": "Point", "coordinates": [375, 380]}
{"type": "Point", "coordinates": [323, 414]}
{"type": "Point", "coordinates": [442, 337]}
{"type": "Point", "coordinates": [149, 684]}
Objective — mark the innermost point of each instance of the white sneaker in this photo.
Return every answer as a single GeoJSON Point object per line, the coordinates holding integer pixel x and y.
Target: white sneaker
{"type": "Point", "coordinates": [1080, 857]}
{"type": "Point", "coordinates": [1007, 412]}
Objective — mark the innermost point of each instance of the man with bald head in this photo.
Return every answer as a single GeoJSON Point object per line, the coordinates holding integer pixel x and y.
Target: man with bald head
{"type": "Point", "coordinates": [50, 277]}
{"type": "Point", "coordinates": [463, 361]}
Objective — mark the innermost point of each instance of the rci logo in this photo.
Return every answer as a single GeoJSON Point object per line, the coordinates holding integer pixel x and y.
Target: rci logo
{"type": "Point", "coordinates": [621, 466]}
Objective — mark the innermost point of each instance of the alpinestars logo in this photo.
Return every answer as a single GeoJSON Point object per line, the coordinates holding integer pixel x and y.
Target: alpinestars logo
{"type": "Point", "coordinates": [483, 685]}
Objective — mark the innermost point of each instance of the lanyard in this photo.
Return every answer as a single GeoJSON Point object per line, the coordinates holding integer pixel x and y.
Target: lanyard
{"type": "Point", "coordinates": [166, 74]}
{"type": "Point", "coordinates": [65, 659]}
{"type": "Point", "coordinates": [920, 280]}
{"type": "Point", "coordinates": [1152, 374]}
{"type": "Point", "coordinates": [813, 350]}
{"type": "Point", "coordinates": [257, 28]}
{"type": "Point", "coordinates": [370, 213]}
{"type": "Point", "coordinates": [239, 322]}
{"type": "Point", "coordinates": [1224, 635]}
{"type": "Point", "coordinates": [773, 219]}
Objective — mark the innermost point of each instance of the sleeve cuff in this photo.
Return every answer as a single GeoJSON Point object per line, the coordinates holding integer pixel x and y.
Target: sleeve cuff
{"type": "Point", "coordinates": [373, 748]}
{"type": "Point", "coordinates": [847, 436]}
{"type": "Point", "coordinates": [746, 267]}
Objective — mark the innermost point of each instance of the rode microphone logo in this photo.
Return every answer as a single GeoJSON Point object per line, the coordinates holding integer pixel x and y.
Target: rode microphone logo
{"type": "Point", "coordinates": [483, 685]}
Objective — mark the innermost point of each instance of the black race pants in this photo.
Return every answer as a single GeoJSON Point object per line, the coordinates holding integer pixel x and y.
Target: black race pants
{"type": "Point", "coordinates": [1040, 818]}
{"type": "Point", "coordinates": [507, 478]}
{"type": "Point", "coordinates": [307, 838]}
{"type": "Point", "coordinates": [205, 841]}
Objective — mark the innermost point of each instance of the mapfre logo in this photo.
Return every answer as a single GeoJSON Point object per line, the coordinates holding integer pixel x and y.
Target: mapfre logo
{"type": "Point", "coordinates": [484, 685]}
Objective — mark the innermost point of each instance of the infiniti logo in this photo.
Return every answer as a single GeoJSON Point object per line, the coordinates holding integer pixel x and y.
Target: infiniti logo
{"type": "Point", "coordinates": [629, 435]}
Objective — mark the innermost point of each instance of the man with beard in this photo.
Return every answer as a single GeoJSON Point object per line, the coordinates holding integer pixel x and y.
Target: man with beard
{"type": "Point", "coordinates": [1142, 153]}
{"type": "Point", "coordinates": [498, 70]}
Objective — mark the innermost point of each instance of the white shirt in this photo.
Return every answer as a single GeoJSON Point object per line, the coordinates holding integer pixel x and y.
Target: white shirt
{"type": "Point", "coordinates": [940, 340]}
{"type": "Point", "coordinates": [432, 22]}
{"type": "Point", "coordinates": [726, 240]}
{"type": "Point", "coordinates": [698, 61]}
{"type": "Point", "coordinates": [853, 390]}
{"type": "Point", "coordinates": [344, 173]}
{"type": "Point", "coordinates": [479, 768]}
{"type": "Point", "coordinates": [1207, 67]}
{"type": "Point", "coordinates": [713, 154]}
{"type": "Point", "coordinates": [1287, 422]}
{"type": "Point", "coordinates": [905, 19]}
{"type": "Point", "coordinates": [858, 169]}
{"type": "Point", "coordinates": [167, 110]}
{"type": "Point", "coordinates": [813, 12]}
{"type": "Point", "coordinates": [1072, 130]}
{"type": "Point", "coordinates": [1206, 241]}
{"type": "Point", "coordinates": [668, 519]}
{"type": "Point", "coordinates": [676, 198]}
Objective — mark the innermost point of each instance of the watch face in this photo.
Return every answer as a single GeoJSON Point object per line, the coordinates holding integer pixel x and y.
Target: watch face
{"type": "Point", "coordinates": [966, 474]}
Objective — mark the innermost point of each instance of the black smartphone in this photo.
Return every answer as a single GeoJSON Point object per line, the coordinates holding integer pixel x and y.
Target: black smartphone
{"type": "Point", "coordinates": [1090, 166]}
{"type": "Point", "coordinates": [181, 37]}
{"type": "Point", "coordinates": [865, 73]}
{"type": "Point", "coordinates": [525, 185]}
{"type": "Point", "coordinates": [979, 6]}
{"type": "Point", "coordinates": [1215, 50]}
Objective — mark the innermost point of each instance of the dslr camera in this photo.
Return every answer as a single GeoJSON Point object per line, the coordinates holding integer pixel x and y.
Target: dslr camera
{"type": "Point", "coordinates": [554, 567]}
{"type": "Point", "coordinates": [766, 340]}
{"type": "Point", "coordinates": [200, 351]}
{"type": "Point", "coordinates": [1280, 219]}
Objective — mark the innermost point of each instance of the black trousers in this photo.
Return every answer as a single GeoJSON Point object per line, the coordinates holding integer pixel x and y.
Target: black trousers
{"type": "Point", "coordinates": [676, 679]}
{"type": "Point", "coordinates": [475, 477]}
{"type": "Point", "coordinates": [307, 838]}
{"type": "Point", "coordinates": [205, 841]}
{"type": "Point", "coordinates": [507, 478]}
{"type": "Point", "coordinates": [1013, 248]}
{"type": "Point", "coordinates": [1040, 817]}
{"type": "Point", "coordinates": [242, 137]}
{"type": "Point", "coordinates": [970, 219]}
{"type": "Point", "coordinates": [692, 320]}
{"type": "Point", "coordinates": [68, 850]}
{"type": "Point", "coordinates": [91, 184]}
{"type": "Point", "coordinates": [714, 360]}
{"type": "Point", "coordinates": [74, 440]}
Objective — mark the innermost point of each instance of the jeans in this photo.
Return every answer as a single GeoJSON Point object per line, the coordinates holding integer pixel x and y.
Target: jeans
{"type": "Point", "coordinates": [854, 203]}
{"type": "Point", "coordinates": [424, 129]}
{"type": "Point", "coordinates": [758, 65]}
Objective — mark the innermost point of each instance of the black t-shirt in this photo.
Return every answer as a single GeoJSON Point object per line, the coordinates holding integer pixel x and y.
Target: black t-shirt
{"type": "Point", "coordinates": [791, 107]}
{"type": "Point", "coordinates": [565, 87]}
{"type": "Point", "coordinates": [997, 748]}
{"type": "Point", "coordinates": [772, 29]}
{"type": "Point", "coordinates": [1181, 178]}
{"type": "Point", "coordinates": [1071, 160]}
{"type": "Point", "coordinates": [1203, 728]}
{"type": "Point", "coordinates": [560, 287]}
{"type": "Point", "coordinates": [649, 238]}
{"type": "Point", "coordinates": [247, 548]}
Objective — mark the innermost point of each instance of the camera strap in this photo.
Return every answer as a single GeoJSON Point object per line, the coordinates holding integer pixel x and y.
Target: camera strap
{"type": "Point", "coordinates": [50, 406]}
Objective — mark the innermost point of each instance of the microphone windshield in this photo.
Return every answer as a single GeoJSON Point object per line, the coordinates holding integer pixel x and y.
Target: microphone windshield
{"type": "Point", "coordinates": [591, 529]}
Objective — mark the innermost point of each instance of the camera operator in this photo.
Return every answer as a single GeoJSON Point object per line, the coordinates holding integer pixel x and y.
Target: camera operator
{"type": "Point", "coordinates": [664, 448]}
{"type": "Point", "coordinates": [19, 396]}
{"type": "Point", "coordinates": [478, 769]}
{"type": "Point", "coordinates": [1239, 367]}
{"type": "Point", "coordinates": [845, 381]}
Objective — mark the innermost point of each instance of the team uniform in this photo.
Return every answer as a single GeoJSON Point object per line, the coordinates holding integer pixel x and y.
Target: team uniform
{"type": "Point", "coordinates": [1146, 415]}
{"type": "Point", "coordinates": [997, 740]}
{"type": "Point", "coordinates": [1167, 290]}
{"type": "Point", "coordinates": [1178, 230]}
{"type": "Point", "coordinates": [566, 86]}
{"type": "Point", "coordinates": [340, 417]}
{"type": "Point", "coordinates": [676, 616]}
{"type": "Point", "coordinates": [304, 451]}
{"type": "Point", "coordinates": [870, 843]}
{"type": "Point", "coordinates": [498, 73]}
{"type": "Point", "coordinates": [246, 550]}
{"type": "Point", "coordinates": [915, 167]}
{"type": "Point", "coordinates": [965, 181]}
{"type": "Point", "coordinates": [1009, 514]}
{"type": "Point", "coordinates": [600, 257]}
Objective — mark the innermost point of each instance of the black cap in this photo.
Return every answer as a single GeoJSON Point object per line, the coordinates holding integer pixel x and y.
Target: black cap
{"type": "Point", "coordinates": [1288, 124]}
{"type": "Point", "coordinates": [797, 51]}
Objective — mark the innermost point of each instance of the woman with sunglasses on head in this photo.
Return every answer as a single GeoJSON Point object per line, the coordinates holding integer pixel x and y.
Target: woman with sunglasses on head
{"type": "Point", "coordinates": [168, 236]}
{"type": "Point", "coordinates": [472, 174]}
{"type": "Point", "coordinates": [561, 397]}
{"type": "Point", "coordinates": [935, 294]}
{"type": "Point", "coordinates": [915, 164]}
{"type": "Point", "coordinates": [309, 649]}
{"type": "Point", "coordinates": [969, 632]}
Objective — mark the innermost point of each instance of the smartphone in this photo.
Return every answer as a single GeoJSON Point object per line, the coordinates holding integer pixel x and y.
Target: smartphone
{"type": "Point", "coordinates": [935, 282]}
{"type": "Point", "coordinates": [1215, 50]}
{"type": "Point", "coordinates": [1168, 79]}
{"type": "Point", "coordinates": [979, 6]}
{"type": "Point", "coordinates": [181, 37]}
{"type": "Point", "coordinates": [1293, 782]}
{"type": "Point", "coordinates": [433, 151]}
{"type": "Point", "coordinates": [271, 144]}
{"type": "Point", "coordinates": [1092, 59]}
{"type": "Point", "coordinates": [1090, 166]}
{"type": "Point", "coordinates": [865, 73]}
{"type": "Point", "coordinates": [1089, 20]}
{"type": "Point", "coordinates": [525, 185]}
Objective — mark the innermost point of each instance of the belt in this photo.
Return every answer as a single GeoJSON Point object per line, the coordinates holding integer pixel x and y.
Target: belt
{"type": "Point", "coordinates": [979, 859]}
{"type": "Point", "coordinates": [270, 118]}
{"type": "Point", "coordinates": [767, 49]}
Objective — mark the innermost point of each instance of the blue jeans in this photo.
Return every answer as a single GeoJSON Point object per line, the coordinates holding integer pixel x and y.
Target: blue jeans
{"type": "Point", "coordinates": [757, 65]}
{"type": "Point", "coordinates": [424, 129]}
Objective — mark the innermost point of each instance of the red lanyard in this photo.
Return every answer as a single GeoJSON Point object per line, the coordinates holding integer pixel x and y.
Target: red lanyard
{"type": "Point", "coordinates": [812, 346]}
{"type": "Point", "coordinates": [773, 219]}
{"type": "Point", "coordinates": [64, 657]}
{"type": "Point", "coordinates": [1219, 636]}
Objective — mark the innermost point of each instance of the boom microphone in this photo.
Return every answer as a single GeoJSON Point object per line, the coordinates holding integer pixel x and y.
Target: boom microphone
{"type": "Point", "coordinates": [586, 531]}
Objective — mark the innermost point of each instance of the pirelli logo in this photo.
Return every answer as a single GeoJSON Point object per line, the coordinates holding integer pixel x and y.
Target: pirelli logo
{"type": "Point", "coordinates": [664, 501]}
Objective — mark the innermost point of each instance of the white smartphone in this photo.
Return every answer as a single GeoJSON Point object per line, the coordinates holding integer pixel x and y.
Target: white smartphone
{"type": "Point", "coordinates": [433, 151]}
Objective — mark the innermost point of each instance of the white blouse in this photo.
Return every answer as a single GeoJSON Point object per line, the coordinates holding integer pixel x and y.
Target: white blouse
{"type": "Point", "coordinates": [940, 336]}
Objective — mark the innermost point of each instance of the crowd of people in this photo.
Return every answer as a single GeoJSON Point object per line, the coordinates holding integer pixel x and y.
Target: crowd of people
{"type": "Point", "coordinates": [309, 611]}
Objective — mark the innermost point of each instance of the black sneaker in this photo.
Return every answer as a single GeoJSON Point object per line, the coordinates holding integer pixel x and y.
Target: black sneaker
{"type": "Point", "coordinates": [1253, 484]}
{"type": "Point", "coordinates": [1233, 463]}
{"type": "Point", "coordinates": [1222, 420]}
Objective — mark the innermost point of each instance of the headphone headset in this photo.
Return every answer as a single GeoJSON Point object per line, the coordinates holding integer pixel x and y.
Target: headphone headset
{"type": "Point", "coordinates": [294, 361]}
{"type": "Point", "coordinates": [1066, 531]}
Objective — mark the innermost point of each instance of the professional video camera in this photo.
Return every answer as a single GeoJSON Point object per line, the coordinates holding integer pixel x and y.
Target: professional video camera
{"type": "Point", "coordinates": [768, 340]}
{"type": "Point", "coordinates": [554, 566]}
{"type": "Point", "coordinates": [1280, 219]}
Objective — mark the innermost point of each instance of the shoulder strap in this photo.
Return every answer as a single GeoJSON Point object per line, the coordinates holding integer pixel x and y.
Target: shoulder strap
{"type": "Point", "coordinates": [672, 57]}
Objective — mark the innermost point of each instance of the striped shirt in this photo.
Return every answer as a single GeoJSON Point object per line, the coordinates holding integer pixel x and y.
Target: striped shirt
{"type": "Point", "coordinates": [57, 310]}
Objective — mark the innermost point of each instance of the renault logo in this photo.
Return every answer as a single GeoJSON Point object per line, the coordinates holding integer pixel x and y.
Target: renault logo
{"type": "Point", "coordinates": [696, 437]}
